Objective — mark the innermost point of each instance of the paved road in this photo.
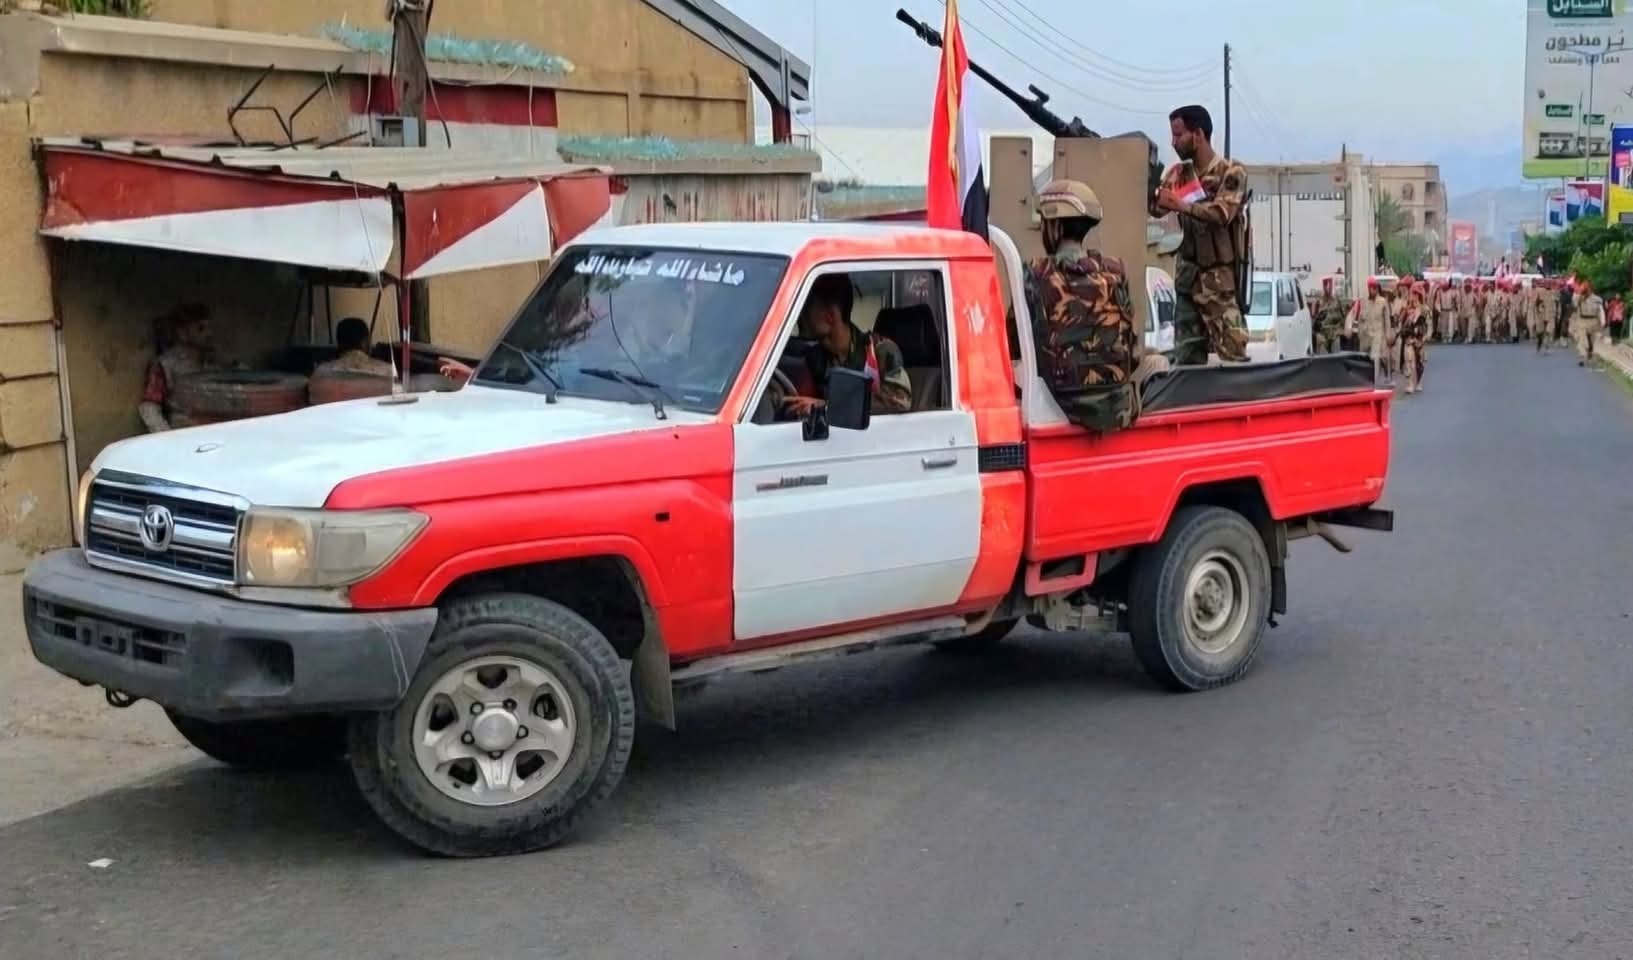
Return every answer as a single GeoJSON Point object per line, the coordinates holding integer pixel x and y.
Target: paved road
{"type": "Point", "coordinates": [1430, 761]}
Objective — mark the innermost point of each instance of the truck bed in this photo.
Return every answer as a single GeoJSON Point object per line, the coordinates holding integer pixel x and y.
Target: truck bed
{"type": "Point", "coordinates": [1309, 435]}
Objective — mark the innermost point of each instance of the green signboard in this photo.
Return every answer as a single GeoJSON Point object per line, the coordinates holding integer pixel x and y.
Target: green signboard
{"type": "Point", "coordinates": [1558, 111]}
{"type": "Point", "coordinates": [1579, 9]}
{"type": "Point", "coordinates": [1594, 119]}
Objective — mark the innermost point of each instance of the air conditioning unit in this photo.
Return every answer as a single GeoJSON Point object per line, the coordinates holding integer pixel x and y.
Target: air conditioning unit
{"type": "Point", "coordinates": [394, 131]}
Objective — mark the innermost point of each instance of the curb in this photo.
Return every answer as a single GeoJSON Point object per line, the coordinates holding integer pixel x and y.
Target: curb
{"type": "Point", "coordinates": [1620, 356]}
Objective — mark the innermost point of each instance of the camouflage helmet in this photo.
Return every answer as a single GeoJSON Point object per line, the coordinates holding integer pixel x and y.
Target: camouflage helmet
{"type": "Point", "coordinates": [1069, 199]}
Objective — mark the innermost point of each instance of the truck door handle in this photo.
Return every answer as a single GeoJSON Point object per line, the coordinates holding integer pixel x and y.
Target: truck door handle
{"type": "Point", "coordinates": [940, 463]}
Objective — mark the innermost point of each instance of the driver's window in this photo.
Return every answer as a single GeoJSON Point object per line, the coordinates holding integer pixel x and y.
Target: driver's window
{"type": "Point", "coordinates": [891, 324]}
{"type": "Point", "coordinates": [1286, 305]}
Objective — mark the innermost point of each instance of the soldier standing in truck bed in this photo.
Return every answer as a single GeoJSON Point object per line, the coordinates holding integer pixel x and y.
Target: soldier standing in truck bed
{"type": "Point", "coordinates": [1207, 191]}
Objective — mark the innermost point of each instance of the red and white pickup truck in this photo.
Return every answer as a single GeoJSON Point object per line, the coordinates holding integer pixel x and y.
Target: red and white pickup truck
{"type": "Point", "coordinates": [473, 594]}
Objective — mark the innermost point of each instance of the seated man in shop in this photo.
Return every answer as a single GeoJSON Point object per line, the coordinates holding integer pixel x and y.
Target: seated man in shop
{"type": "Point", "coordinates": [827, 319]}
{"type": "Point", "coordinates": [352, 339]}
{"type": "Point", "coordinates": [186, 345]}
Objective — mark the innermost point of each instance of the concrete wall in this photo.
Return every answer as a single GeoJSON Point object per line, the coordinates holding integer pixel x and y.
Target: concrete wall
{"type": "Point", "coordinates": [638, 72]}
{"type": "Point", "coordinates": [106, 343]}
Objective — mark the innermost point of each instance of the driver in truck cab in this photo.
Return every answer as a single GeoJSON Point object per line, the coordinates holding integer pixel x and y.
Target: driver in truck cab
{"type": "Point", "coordinates": [827, 319]}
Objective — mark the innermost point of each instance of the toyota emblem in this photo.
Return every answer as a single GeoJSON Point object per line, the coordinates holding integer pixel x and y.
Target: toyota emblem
{"type": "Point", "coordinates": [157, 527]}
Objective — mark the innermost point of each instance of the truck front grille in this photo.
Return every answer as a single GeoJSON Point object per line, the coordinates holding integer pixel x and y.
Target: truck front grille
{"type": "Point", "coordinates": [176, 533]}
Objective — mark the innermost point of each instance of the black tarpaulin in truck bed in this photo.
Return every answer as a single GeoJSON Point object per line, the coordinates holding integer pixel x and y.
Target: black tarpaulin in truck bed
{"type": "Point", "coordinates": [1247, 382]}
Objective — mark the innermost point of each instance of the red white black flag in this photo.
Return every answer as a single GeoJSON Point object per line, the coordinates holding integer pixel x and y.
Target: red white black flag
{"type": "Point", "coordinates": [956, 195]}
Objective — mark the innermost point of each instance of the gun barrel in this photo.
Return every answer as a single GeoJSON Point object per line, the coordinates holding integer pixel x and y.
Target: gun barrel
{"type": "Point", "coordinates": [1033, 107]}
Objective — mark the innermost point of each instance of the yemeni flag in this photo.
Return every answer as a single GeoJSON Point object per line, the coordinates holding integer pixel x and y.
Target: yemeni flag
{"type": "Point", "coordinates": [956, 194]}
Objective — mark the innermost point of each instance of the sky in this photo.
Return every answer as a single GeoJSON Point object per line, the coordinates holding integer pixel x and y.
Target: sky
{"type": "Point", "coordinates": [1428, 80]}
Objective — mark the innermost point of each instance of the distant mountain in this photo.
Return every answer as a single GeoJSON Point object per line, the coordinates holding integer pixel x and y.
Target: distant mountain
{"type": "Point", "coordinates": [1470, 171]}
{"type": "Point", "coordinates": [1496, 213]}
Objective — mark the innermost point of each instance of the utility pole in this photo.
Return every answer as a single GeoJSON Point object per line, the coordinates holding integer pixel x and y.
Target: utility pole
{"type": "Point", "coordinates": [1227, 100]}
{"type": "Point", "coordinates": [410, 21]}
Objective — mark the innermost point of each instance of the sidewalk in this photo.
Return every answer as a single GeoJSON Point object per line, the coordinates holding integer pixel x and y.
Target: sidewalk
{"type": "Point", "coordinates": [1620, 357]}
{"type": "Point", "coordinates": [61, 742]}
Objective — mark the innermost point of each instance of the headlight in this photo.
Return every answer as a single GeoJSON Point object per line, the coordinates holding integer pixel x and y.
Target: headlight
{"type": "Point", "coordinates": [321, 548]}
{"type": "Point", "coordinates": [82, 500]}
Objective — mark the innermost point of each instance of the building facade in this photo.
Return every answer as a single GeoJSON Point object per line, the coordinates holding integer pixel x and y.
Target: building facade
{"type": "Point", "coordinates": [1419, 191]}
{"type": "Point", "coordinates": [681, 71]}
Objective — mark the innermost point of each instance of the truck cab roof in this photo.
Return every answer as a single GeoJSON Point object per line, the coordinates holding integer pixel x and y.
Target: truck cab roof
{"type": "Point", "coordinates": [789, 238]}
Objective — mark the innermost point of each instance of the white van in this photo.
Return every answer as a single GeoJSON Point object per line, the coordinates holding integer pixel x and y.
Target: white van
{"type": "Point", "coordinates": [1159, 315]}
{"type": "Point", "coordinates": [1278, 320]}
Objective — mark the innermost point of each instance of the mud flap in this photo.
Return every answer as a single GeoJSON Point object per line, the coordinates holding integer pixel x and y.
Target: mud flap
{"type": "Point", "coordinates": [649, 675]}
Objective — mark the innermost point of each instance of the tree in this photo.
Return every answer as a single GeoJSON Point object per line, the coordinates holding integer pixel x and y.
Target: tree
{"type": "Point", "coordinates": [1591, 248]}
{"type": "Point", "coordinates": [1406, 253]}
{"type": "Point", "coordinates": [1393, 221]}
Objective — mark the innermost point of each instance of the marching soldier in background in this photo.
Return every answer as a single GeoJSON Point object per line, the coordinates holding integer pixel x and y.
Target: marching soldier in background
{"type": "Point", "coordinates": [1207, 191]}
{"type": "Point", "coordinates": [1562, 316]}
{"type": "Point", "coordinates": [1374, 329]}
{"type": "Point", "coordinates": [1329, 319]}
{"type": "Point", "coordinates": [1589, 323]}
{"type": "Point", "coordinates": [1465, 312]}
{"type": "Point", "coordinates": [1547, 315]}
{"type": "Point", "coordinates": [1445, 311]}
{"type": "Point", "coordinates": [1413, 331]}
{"type": "Point", "coordinates": [1090, 348]}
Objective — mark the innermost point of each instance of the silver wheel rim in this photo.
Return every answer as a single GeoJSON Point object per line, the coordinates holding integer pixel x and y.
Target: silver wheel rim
{"type": "Point", "coordinates": [494, 731]}
{"type": "Point", "coordinates": [1216, 603]}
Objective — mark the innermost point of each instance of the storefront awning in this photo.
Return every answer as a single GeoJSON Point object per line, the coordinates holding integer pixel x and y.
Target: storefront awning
{"type": "Point", "coordinates": [403, 211]}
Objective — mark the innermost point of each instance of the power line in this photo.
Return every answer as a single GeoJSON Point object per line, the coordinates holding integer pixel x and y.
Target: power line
{"type": "Point", "coordinates": [1069, 56]}
{"type": "Point", "coordinates": [1140, 69]}
{"type": "Point", "coordinates": [1062, 84]}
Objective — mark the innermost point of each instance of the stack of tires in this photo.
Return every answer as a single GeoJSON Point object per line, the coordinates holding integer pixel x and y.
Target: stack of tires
{"type": "Point", "coordinates": [216, 396]}
{"type": "Point", "coordinates": [346, 385]}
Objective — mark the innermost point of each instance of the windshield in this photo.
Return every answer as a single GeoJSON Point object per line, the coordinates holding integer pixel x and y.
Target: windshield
{"type": "Point", "coordinates": [1259, 306]}
{"type": "Point", "coordinates": [630, 324]}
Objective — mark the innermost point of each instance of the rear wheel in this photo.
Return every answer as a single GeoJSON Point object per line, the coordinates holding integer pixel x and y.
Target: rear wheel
{"type": "Point", "coordinates": [519, 721]}
{"type": "Point", "coordinates": [1199, 599]}
{"type": "Point", "coordinates": [287, 744]}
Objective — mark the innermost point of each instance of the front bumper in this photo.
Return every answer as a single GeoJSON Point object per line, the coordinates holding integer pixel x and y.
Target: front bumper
{"type": "Point", "coordinates": [215, 657]}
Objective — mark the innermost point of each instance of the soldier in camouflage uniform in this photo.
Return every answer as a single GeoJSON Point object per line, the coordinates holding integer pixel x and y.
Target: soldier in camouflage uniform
{"type": "Point", "coordinates": [1207, 191]}
{"type": "Point", "coordinates": [1089, 346]}
{"type": "Point", "coordinates": [1329, 319]}
{"type": "Point", "coordinates": [827, 318]}
{"type": "Point", "coordinates": [1413, 330]}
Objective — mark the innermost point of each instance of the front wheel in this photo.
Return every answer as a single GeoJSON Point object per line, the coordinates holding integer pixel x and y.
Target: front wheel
{"type": "Point", "coordinates": [520, 721]}
{"type": "Point", "coordinates": [1199, 599]}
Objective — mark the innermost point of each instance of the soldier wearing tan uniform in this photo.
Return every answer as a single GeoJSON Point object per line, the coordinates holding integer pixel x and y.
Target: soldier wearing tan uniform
{"type": "Point", "coordinates": [1376, 318]}
{"type": "Point", "coordinates": [1588, 323]}
{"type": "Point", "coordinates": [1445, 311]}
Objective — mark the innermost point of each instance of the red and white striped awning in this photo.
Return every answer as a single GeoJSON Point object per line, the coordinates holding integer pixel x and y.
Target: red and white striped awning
{"type": "Point", "coordinates": [411, 213]}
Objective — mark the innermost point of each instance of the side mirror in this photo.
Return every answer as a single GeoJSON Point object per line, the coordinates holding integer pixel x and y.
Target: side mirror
{"type": "Point", "coordinates": [850, 398]}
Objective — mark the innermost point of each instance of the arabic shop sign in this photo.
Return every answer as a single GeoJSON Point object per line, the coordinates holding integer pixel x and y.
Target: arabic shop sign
{"type": "Point", "coordinates": [1594, 119]}
{"type": "Point", "coordinates": [1582, 9]}
{"type": "Point", "coordinates": [1559, 111]}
